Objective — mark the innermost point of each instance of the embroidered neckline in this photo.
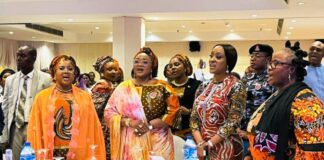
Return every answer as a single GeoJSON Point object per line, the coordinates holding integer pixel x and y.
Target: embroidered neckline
{"type": "Point", "coordinates": [179, 84]}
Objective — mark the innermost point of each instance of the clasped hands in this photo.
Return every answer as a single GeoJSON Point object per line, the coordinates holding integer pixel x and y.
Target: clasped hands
{"type": "Point", "coordinates": [140, 127]}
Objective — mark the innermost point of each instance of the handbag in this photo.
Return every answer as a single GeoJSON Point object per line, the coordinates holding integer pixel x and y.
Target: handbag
{"type": "Point", "coordinates": [177, 121]}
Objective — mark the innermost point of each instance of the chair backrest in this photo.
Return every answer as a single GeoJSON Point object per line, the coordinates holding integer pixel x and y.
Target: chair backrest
{"type": "Point", "coordinates": [178, 147]}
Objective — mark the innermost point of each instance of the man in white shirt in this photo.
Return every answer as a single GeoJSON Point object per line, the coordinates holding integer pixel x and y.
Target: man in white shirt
{"type": "Point", "coordinates": [315, 71]}
{"type": "Point", "coordinates": [19, 93]}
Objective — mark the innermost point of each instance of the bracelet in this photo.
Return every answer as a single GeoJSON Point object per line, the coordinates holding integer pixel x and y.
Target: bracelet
{"type": "Point", "coordinates": [210, 143]}
{"type": "Point", "coordinates": [201, 143]}
{"type": "Point", "coordinates": [127, 122]}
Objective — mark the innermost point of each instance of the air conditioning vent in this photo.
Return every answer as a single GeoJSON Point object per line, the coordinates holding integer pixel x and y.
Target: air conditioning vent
{"type": "Point", "coordinates": [44, 29]}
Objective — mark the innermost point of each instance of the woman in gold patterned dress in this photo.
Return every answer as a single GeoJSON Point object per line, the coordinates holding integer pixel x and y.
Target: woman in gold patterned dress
{"type": "Point", "coordinates": [219, 107]}
{"type": "Point", "coordinates": [140, 111]}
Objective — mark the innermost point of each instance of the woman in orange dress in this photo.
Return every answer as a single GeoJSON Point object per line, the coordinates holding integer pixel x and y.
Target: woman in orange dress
{"type": "Point", "coordinates": [63, 119]}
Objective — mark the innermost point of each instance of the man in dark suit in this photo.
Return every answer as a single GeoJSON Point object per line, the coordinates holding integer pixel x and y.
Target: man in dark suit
{"type": "Point", "coordinates": [19, 93]}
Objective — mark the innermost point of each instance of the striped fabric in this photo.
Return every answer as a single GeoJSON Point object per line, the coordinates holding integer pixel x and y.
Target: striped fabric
{"type": "Point", "coordinates": [21, 106]}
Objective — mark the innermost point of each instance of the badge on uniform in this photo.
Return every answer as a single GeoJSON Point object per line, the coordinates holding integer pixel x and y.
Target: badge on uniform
{"type": "Point", "coordinates": [258, 86]}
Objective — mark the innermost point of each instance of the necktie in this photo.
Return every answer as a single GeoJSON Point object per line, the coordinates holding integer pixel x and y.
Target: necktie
{"type": "Point", "coordinates": [20, 120]}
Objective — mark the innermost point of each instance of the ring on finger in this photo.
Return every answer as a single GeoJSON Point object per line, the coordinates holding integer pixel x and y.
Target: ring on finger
{"type": "Point", "coordinates": [140, 126]}
{"type": "Point", "coordinates": [136, 130]}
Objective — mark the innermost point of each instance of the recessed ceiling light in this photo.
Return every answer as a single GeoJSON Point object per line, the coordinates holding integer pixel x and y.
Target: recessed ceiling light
{"type": "Point", "coordinates": [232, 30]}
{"type": "Point", "coordinates": [33, 37]}
{"type": "Point", "coordinates": [291, 28]}
{"type": "Point", "coordinates": [190, 31]}
{"type": "Point", "coordinates": [183, 26]}
{"type": "Point", "coordinates": [97, 27]}
{"type": "Point", "coordinates": [70, 19]}
{"type": "Point", "coordinates": [254, 15]}
{"type": "Point", "coordinates": [11, 32]}
{"type": "Point", "coordinates": [227, 24]}
{"type": "Point", "coordinates": [155, 18]}
{"type": "Point", "coordinates": [301, 3]}
{"type": "Point", "coordinates": [293, 21]}
{"type": "Point", "coordinates": [288, 33]}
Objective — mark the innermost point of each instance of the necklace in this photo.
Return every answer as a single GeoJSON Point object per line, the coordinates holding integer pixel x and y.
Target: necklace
{"type": "Point", "coordinates": [141, 83]}
{"type": "Point", "coordinates": [64, 91]}
{"type": "Point", "coordinates": [180, 84]}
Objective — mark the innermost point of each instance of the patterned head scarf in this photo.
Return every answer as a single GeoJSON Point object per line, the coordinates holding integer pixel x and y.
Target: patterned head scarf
{"type": "Point", "coordinates": [101, 61]}
{"type": "Point", "coordinates": [186, 62]}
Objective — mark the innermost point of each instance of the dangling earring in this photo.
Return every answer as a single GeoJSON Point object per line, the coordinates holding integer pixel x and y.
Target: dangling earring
{"type": "Point", "coordinates": [289, 77]}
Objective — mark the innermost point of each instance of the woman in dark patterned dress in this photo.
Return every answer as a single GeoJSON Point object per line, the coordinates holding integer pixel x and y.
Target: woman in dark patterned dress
{"type": "Point", "coordinates": [111, 75]}
{"type": "Point", "coordinates": [185, 87]}
{"type": "Point", "coordinates": [219, 107]}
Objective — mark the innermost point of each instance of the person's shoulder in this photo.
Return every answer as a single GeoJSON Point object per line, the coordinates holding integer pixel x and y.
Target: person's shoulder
{"type": "Point", "coordinates": [13, 76]}
{"type": "Point", "coordinates": [45, 92]}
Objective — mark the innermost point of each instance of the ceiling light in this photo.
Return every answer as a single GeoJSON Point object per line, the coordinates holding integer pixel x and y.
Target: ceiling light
{"type": "Point", "coordinates": [33, 37]}
{"type": "Point", "coordinates": [288, 33]}
{"type": "Point", "coordinates": [293, 21]}
{"type": "Point", "coordinates": [70, 19]}
{"type": "Point", "coordinates": [190, 31]}
{"type": "Point", "coordinates": [97, 27]}
{"type": "Point", "coordinates": [291, 28]}
{"type": "Point", "coordinates": [11, 32]}
{"type": "Point", "coordinates": [286, 37]}
{"type": "Point", "coordinates": [254, 15]}
{"type": "Point", "coordinates": [301, 3]}
{"type": "Point", "coordinates": [227, 24]}
{"type": "Point", "coordinates": [183, 26]}
{"type": "Point", "coordinates": [232, 30]}
{"type": "Point", "coordinates": [155, 18]}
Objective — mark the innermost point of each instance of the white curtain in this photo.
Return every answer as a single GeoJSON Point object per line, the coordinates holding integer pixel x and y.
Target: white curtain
{"type": "Point", "coordinates": [8, 48]}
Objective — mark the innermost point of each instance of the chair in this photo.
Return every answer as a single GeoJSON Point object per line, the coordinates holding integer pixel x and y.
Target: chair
{"type": "Point", "coordinates": [178, 147]}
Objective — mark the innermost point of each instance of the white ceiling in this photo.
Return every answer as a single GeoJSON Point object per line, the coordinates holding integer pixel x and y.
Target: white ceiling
{"type": "Point", "coordinates": [167, 20]}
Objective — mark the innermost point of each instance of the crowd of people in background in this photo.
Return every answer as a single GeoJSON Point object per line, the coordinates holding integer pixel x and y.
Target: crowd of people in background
{"type": "Point", "coordinates": [275, 111]}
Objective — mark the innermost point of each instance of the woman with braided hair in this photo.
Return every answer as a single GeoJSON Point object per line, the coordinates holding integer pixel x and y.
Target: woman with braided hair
{"type": "Point", "coordinates": [110, 76]}
{"type": "Point", "coordinates": [289, 124]}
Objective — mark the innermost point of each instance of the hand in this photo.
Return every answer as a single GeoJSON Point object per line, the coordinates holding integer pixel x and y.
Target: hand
{"type": "Point", "coordinates": [4, 146]}
{"type": "Point", "coordinates": [185, 111]}
{"type": "Point", "coordinates": [140, 127]}
{"type": "Point", "coordinates": [242, 134]}
{"type": "Point", "coordinates": [201, 150]}
{"type": "Point", "coordinates": [158, 123]}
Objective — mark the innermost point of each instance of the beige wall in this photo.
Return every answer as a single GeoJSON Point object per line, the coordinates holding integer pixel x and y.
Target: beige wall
{"type": "Point", "coordinates": [165, 50]}
{"type": "Point", "coordinates": [86, 54]}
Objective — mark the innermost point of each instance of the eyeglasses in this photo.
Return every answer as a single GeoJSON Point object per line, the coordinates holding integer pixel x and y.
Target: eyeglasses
{"type": "Point", "coordinates": [257, 55]}
{"type": "Point", "coordinates": [313, 49]}
{"type": "Point", "coordinates": [273, 64]}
